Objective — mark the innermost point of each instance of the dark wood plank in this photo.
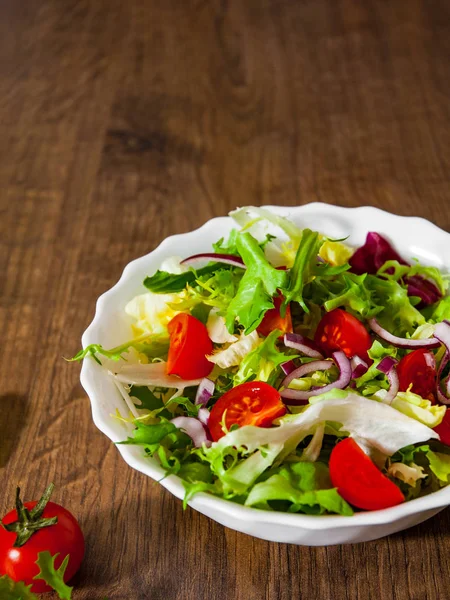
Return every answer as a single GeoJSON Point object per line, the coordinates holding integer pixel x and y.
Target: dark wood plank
{"type": "Point", "coordinates": [122, 123]}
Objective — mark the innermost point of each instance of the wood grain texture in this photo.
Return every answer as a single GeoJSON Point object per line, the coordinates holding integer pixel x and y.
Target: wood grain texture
{"type": "Point", "coordinates": [124, 122]}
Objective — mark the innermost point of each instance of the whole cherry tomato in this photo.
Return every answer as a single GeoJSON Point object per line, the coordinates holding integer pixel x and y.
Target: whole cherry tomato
{"type": "Point", "coordinates": [35, 527]}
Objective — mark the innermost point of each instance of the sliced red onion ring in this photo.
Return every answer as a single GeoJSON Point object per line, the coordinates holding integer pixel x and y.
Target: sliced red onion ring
{"type": "Point", "coordinates": [359, 366]}
{"type": "Point", "coordinates": [227, 259]}
{"type": "Point", "coordinates": [205, 391]}
{"type": "Point", "coordinates": [287, 367]}
{"type": "Point", "coordinates": [302, 344]}
{"type": "Point", "coordinates": [432, 342]}
{"type": "Point", "coordinates": [386, 364]}
{"type": "Point", "coordinates": [296, 397]}
{"type": "Point", "coordinates": [443, 398]}
{"type": "Point", "coordinates": [442, 333]}
{"type": "Point", "coordinates": [388, 367]}
{"type": "Point", "coordinates": [203, 415]}
{"type": "Point", "coordinates": [194, 429]}
{"type": "Point", "coordinates": [315, 365]}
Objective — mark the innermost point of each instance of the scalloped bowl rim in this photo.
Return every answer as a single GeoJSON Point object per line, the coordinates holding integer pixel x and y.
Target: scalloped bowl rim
{"type": "Point", "coordinates": [205, 502]}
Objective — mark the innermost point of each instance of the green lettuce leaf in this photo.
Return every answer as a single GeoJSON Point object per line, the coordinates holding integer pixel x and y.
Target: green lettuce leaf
{"type": "Point", "coordinates": [54, 577]}
{"type": "Point", "coordinates": [262, 362]}
{"type": "Point", "coordinates": [12, 590]}
{"type": "Point", "coordinates": [441, 310]}
{"type": "Point", "coordinates": [419, 408]}
{"type": "Point", "coordinates": [257, 287]}
{"type": "Point", "coordinates": [303, 268]}
{"type": "Point", "coordinates": [398, 316]}
{"type": "Point", "coordinates": [147, 398]}
{"type": "Point", "coordinates": [440, 465]}
{"type": "Point", "coordinates": [392, 269]}
{"type": "Point", "coordinates": [148, 435]}
{"type": "Point", "coordinates": [228, 246]}
{"type": "Point", "coordinates": [354, 295]}
{"type": "Point", "coordinates": [150, 345]}
{"type": "Point", "coordinates": [298, 485]}
{"type": "Point", "coordinates": [163, 282]}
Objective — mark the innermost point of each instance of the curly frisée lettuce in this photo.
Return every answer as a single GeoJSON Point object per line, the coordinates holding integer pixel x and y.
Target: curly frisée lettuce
{"type": "Point", "coordinates": [243, 331]}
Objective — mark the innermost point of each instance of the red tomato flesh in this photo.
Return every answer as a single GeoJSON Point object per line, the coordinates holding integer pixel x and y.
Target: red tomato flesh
{"type": "Point", "coordinates": [339, 330]}
{"type": "Point", "coordinates": [252, 403]}
{"type": "Point", "coordinates": [359, 481]}
{"type": "Point", "coordinates": [273, 320]}
{"type": "Point", "coordinates": [443, 429]}
{"type": "Point", "coordinates": [417, 368]}
{"type": "Point", "coordinates": [189, 345]}
{"type": "Point", "coordinates": [65, 537]}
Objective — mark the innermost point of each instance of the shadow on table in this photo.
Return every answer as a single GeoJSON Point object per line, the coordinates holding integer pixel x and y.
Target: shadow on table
{"type": "Point", "coordinates": [13, 415]}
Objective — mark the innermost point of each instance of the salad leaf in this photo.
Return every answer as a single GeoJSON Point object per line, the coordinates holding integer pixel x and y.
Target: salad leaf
{"type": "Point", "coordinates": [237, 475]}
{"type": "Point", "coordinates": [373, 254]}
{"type": "Point", "coordinates": [257, 287]}
{"type": "Point", "coordinates": [440, 465]}
{"type": "Point", "coordinates": [398, 316]}
{"type": "Point", "coordinates": [302, 270]}
{"type": "Point", "coordinates": [148, 435]}
{"type": "Point", "coordinates": [392, 269]}
{"type": "Point", "coordinates": [216, 290]}
{"type": "Point", "coordinates": [354, 295]}
{"type": "Point", "coordinates": [217, 329]}
{"type": "Point", "coordinates": [297, 485]}
{"type": "Point", "coordinates": [54, 577]}
{"type": "Point", "coordinates": [409, 474]}
{"type": "Point", "coordinates": [373, 380]}
{"type": "Point", "coordinates": [190, 408]}
{"type": "Point", "coordinates": [236, 352]}
{"type": "Point", "coordinates": [195, 472]}
{"type": "Point", "coordinates": [147, 398]}
{"type": "Point", "coordinates": [441, 310]}
{"type": "Point", "coordinates": [147, 344]}
{"type": "Point", "coordinates": [410, 453]}
{"type": "Point", "coordinates": [229, 246]}
{"type": "Point", "coordinates": [261, 362]}
{"type": "Point", "coordinates": [12, 590]}
{"type": "Point", "coordinates": [163, 282]}
{"type": "Point", "coordinates": [419, 408]}
{"type": "Point", "coordinates": [335, 253]}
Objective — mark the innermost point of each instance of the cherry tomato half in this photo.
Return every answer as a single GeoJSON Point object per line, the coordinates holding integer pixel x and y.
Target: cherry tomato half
{"type": "Point", "coordinates": [273, 320]}
{"type": "Point", "coordinates": [339, 330]}
{"type": "Point", "coordinates": [359, 481]}
{"type": "Point", "coordinates": [252, 403]}
{"type": "Point", "coordinates": [65, 538]}
{"type": "Point", "coordinates": [418, 369]}
{"type": "Point", "coordinates": [443, 429]}
{"type": "Point", "coordinates": [189, 345]}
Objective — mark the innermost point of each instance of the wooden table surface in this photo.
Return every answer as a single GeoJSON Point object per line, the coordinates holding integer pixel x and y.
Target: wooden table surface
{"type": "Point", "coordinates": [124, 122]}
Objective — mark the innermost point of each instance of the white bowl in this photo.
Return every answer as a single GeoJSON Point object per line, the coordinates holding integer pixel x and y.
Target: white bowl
{"type": "Point", "coordinates": [413, 237]}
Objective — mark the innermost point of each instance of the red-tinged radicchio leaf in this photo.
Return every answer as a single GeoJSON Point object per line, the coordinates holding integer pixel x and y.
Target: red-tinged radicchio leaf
{"type": "Point", "coordinates": [372, 256]}
{"type": "Point", "coordinates": [375, 252]}
{"type": "Point", "coordinates": [424, 289]}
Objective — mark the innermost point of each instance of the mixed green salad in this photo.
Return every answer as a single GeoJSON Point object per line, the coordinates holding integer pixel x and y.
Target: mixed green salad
{"type": "Point", "coordinates": [287, 371]}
